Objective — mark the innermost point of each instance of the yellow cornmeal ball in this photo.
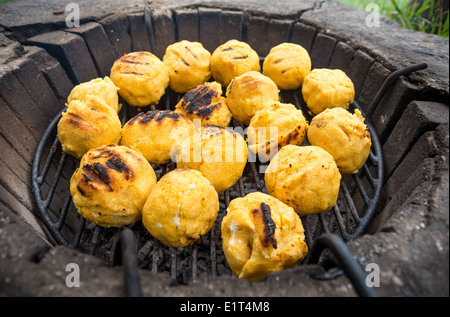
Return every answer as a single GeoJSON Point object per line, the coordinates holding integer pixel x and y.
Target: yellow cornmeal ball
{"type": "Point", "coordinates": [218, 153]}
{"type": "Point", "coordinates": [111, 185]}
{"type": "Point", "coordinates": [275, 126]}
{"type": "Point", "coordinates": [327, 88]}
{"type": "Point", "coordinates": [142, 78]}
{"type": "Point", "coordinates": [103, 88]}
{"type": "Point", "coordinates": [261, 235]}
{"type": "Point", "coordinates": [189, 65]}
{"type": "Point", "coordinates": [249, 93]}
{"type": "Point", "coordinates": [181, 208]}
{"type": "Point", "coordinates": [87, 124]}
{"type": "Point", "coordinates": [305, 178]}
{"type": "Point", "coordinates": [344, 136]}
{"type": "Point", "coordinates": [205, 103]}
{"type": "Point", "coordinates": [287, 64]}
{"type": "Point", "coordinates": [154, 133]}
{"type": "Point", "coordinates": [233, 59]}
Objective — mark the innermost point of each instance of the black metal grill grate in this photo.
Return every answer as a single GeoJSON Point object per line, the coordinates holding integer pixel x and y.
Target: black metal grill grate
{"type": "Point", "coordinates": [52, 169]}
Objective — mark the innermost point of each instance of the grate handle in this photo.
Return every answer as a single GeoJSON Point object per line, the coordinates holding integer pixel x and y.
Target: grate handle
{"type": "Point", "coordinates": [388, 82]}
{"type": "Point", "coordinates": [351, 268]}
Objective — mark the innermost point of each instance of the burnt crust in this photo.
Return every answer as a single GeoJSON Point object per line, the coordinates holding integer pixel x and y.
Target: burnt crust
{"type": "Point", "coordinates": [154, 115]}
{"type": "Point", "coordinates": [100, 172]}
{"type": "Point", "coordinates": [263, 214]}
{"type": "Point", "coordinates": [200, 101]}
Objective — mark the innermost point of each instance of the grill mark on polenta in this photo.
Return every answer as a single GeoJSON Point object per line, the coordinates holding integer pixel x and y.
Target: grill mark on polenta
{"type": "Point", "coordinates": [82, 192]}
{"type": "Point", "coordinates": [184, 62]}
{"type": "Point", "coordinates": [114, 161]}
{"type": "Point", "coordinates": [117, 164]}
{"type": "Point", "coordinates": [126, 61]}
{"type": "Point", "coordinates": [156, 115]}
{"type": "Point", "coordinates": [241, 57]}
{"type": "Point", "coordinates": [228, 49]}
{"type": "Point", "coordinates": [207, 110]}
{"type": "Point", "coordinates": [168, 114]}
{"type": "Point", "coordinates": [97, 173]}
{"type": "Point", "coordinates": [136, 118]}
{"type": "Point", "coordinates": [198, 101]}
{"type": "Point", "coordinates": [190, 52]}
{"type": "Point", "coordinates": [133, 73]}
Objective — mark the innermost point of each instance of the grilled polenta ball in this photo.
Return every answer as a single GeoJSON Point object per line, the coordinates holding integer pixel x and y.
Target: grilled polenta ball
{"type": "Point", "coordinates": [287, 64]}
{"type": "Point", "coordinates": [111, 185]}
{"type": "Point", "coordinates": [103, 88]}
{"type": "Point", "coordinates": [181, 208]}
{"type": "Point", "coordinates": [206, 103]}
{"type": "Point", "coordinates": [261, 235]}
{"type": "Point", "coordinates": [233, 59]}
{"type": "Point", "coordinates": [142, 78]}
{"type": "Point", "coordinates": [218, 153]}
{"type": "Point", "coordinates": [87, 124]}
{"type": "Point", "coordinates": [304, 177]}
{"type": "Point", "coordinates": [344, 136]}
{"type": "Point", "coordinates": [154, 133]}
{"type": "Point", "coordinates": [327, 88]}
{"type": "Point", "coordinates": [189, 65]}
{"type": "Point", "coordinates": [249, 93]}
{"type": "Point", "coordinates": [275, 126]}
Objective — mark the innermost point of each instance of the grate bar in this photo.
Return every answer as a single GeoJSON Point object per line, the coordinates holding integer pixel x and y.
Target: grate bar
{"type": "Point", "coordinates": [323, 222]}
{"type": "Point", "coordinates": [369, 176]}
{"type": "Point", "coordinates": [213, 256]}
{"type": "Point", "coordinates": [77, 237]}
{"type": "Point", "coordinates": [173, 265]}
{"type": "Point", "coordinates": [350, 203]}
{"type": "Point", "coordinates": [340, 221]}
{"type": "Point", "coordinates": [256, 176]}
{"type": "Point", "coordinates": [94, 241]}
{"type": "Point", "coordinates": [361, 188]}
{"type": "Point", "coordinates": [55, 180]}
{"type": "Point", "coordinates": [194, 252]}
{"type": "Point", "coordinates": [63, 213]}
{"type": "Point", "coordinates": [48, 161]}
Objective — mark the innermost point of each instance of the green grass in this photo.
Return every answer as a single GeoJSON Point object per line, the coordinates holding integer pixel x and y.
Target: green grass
{"type": "Point", "coordinates": [418, 15]}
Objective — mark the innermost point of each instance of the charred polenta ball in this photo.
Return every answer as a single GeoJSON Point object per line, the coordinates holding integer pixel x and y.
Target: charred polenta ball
{"type": "Point", "coordinates": [218, 153]}
{"type": "Point", "coordinates": [181, 208]}
{"type": "Point", "coordinates": [86, 124]}
{"type": "Point", "coordinates": [233, 59]}
{"type": "Point", "coordinates": [205, 103]}
{"type": "Point", "coordinates": [103, 88]}
{"type": "Point", "coordinates": [154, 133]}
{"type": "Point", "coordinates": [142, 78]}
{"type": "Point", "coordinates": [327, 88]}
{"type": "Point", "coordinates": [189, 65]}
{"type": "Point", "coordinates": [287, 64]}
{"type": "Point", "coordinates": [344, 136]}
{"type": "Point", "coordinates": [111, 185]}
{"type": "Point", "coordinates": [261, 235]}
{"type": "Point", "coordinates": [305, 178]}
{"type": "Point", "coordinates": [275, 126]}
{"type": "Point", "coordinates": [249, 93]}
